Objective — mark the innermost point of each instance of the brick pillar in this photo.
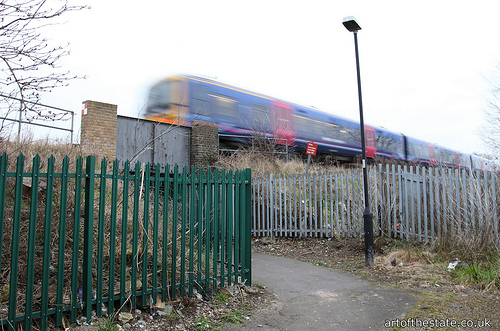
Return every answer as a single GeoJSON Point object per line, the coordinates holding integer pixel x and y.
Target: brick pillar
{"type": "Point", "coordinates": [204, 144]}
{"type": "Point", "coordinates": [98, 132]}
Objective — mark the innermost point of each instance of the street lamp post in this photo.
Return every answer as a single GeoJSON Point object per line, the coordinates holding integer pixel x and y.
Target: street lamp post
{"type": "Point", "coordinates": [352, 25]}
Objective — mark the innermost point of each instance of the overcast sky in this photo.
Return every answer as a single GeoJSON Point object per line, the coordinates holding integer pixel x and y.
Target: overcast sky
{"type": "Point", "coordinates": [423, 64]}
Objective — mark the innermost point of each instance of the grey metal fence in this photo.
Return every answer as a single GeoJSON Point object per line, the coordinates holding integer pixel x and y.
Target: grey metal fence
{"type": "Point", "coordinates": [407, 202]}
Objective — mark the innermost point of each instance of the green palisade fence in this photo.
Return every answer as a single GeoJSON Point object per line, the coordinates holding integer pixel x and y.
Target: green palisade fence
{"type": "Point", "coordinates": [77, 238]}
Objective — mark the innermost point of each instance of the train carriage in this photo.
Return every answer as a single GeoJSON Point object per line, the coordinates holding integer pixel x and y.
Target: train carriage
{"type": "Point", "coordinates": [241, 114]}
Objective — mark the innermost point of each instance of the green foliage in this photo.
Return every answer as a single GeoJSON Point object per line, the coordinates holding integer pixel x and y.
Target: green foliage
{"type": "Point", "coordinates": [202, 323]}
{"type": "Point", "coordinates": [487, 275]}
{"type": "Point", "coordinates": [221, 297]}
{"type": "Point", "coordinates": [107, 324]}
{"type": "Point", "coordinates": [235, 317]}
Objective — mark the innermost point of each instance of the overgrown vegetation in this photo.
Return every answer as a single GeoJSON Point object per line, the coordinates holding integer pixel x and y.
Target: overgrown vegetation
{"type": "Point", "coordinates": [473, 240]}
{"type": "Point", "coordinates": [486, 274]}
{"type": "Point", "coordinates": [30, 147]}
{"type": "Point", "coordinates": [478, 250]}
{"type": "Point", "coordinates": [265, 164]}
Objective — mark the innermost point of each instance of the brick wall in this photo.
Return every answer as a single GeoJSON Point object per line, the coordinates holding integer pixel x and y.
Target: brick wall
{"type": "Point", "coordinates": [204, 144]}
{"type": "Point", "coordinates": [98, 133]}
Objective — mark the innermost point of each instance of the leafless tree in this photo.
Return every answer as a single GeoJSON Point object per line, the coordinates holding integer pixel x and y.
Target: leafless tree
{"type": "Point", "coordinates": [491, 132]}
{"type": "Point", "coordinates": [29, 64]}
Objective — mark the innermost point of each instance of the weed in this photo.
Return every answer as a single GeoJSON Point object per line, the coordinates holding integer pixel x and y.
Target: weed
{"type": "Point", "coordinates": [235, 317]}
{"type": "Point", "coordinates": [202, 323]}
{"type": "Point", "coordinates": [487, 275]}
{"type": "Point", "coordinates": [320, 263]}
{"type": "Point", "coordinates": [221, 297]}
{"type": "Point", "coordinates": [107, 324]}
{"type": "Point", "coordinates": [435, 281]}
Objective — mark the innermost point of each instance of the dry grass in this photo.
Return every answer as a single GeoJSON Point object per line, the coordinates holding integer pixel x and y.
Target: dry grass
{"type": "Point", "coordinates": [472, 238]}
{"type": "Point", "coordinates": [472, 227]}
{"type": "Point", "coordinates": [43, 148]}
{"type": "Point", "coordinates": [263, 164]}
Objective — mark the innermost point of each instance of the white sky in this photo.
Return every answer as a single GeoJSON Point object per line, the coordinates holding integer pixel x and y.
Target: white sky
{"type": "Point", "coordinates": [423, 64]}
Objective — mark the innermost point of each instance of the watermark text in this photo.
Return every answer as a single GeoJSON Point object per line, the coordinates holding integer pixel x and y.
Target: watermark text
{"type": "Point", "coordinates": [437, 323]}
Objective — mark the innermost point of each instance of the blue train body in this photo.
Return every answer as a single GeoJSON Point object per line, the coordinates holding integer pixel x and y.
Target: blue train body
{"type": "Point", "coordinates": [241, 113]}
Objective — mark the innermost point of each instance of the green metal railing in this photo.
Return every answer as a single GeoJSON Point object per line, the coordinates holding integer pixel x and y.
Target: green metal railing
{"type": "Point", "coordinates": [74, 241]}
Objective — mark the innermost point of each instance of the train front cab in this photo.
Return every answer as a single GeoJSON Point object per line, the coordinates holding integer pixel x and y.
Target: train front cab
{"type": "Point", "coordinates": [168, 101]}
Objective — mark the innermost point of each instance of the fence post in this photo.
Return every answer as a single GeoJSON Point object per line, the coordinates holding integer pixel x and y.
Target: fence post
{"type": "Point", "coordinates": [271, 204]}
{"type": "Point", "coordinates": [62, 239]}
{"type": "Point", "coordinates": [246, 226]}
{"type": "Point", "coordinates": [15, 243]}
{"type": "Point", "coordinates": [112, 240]}
{"type": "Point", "coordinates": [135, 234]}
{"type": "Point", "coordinates": [88, 237]}
{"type": "Point", "coordinates": [146, 188]}
{"type": "Point", "coordinates": [3, 184]}
{"type": "Point", "coordinates": [35, 177]}
{"type": "Point", "coordinates": [100, 237]}
{"type": "Point", "coordinates": [76, 238]}
{"type": "Point", "coordinates": [495, 208]}
{"type": "Point", "coordinates": [123, 260]}
{"type": "Point", "coordinates": [46, 243]}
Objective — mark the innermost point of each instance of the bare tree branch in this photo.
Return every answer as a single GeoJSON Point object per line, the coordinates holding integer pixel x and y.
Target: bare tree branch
{"type": "Point", "coordinates": [29, 64]}
{"type": "Point", "coordinates": [491, 132]}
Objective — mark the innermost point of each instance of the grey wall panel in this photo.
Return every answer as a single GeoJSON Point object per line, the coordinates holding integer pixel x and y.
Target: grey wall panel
{"type": "Point", "coordinates": [172, 145]}
{"type": "Point", "coordinates": [148, 141]}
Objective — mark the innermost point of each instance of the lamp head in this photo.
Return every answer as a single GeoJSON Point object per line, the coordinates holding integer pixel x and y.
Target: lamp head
{"type": "Point", "coordinates": [351, 24]}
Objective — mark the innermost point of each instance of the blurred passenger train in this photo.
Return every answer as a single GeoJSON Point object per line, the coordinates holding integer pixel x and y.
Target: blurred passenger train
{"type": "Point", "coordinates": [242, 113]}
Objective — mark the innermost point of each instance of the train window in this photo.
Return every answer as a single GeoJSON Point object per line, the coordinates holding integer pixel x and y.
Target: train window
{"type": "Point", "coordinates": [386, 143]}
{"type": "Point", "coordinates": [320, 128]}
{"type": "Point", "coordinates": [200, 91]}
{"type": "Point", "coordinates": [411, 149]}
{"type": "Point", "coordinates": [351, 134]}
{"type": "Point", "coordinates": [176, 94]}
{"type": "Point", "coordinates": [327, 129]}
{"type": "Point", "coordinates": [337, 131]}
{"type": "Point", "coordinates": [259, 114]}
{"type": "Point", "coordinates": [301, 122]}
{"type": "Point", "coordinates": [199, 104]}
{"type": "Point", "coordinates": [158, 97]}
{"type": "Point", "coordinates": [341, 132]}
{"type": "Point", "coordinates": [331, 130]}
{"type": "Point", "coordinates": [382, 141]}
{"type": "Point", "coordinates": [421, 151]}
{"type": "Point", "coordinates": [224, 105]}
